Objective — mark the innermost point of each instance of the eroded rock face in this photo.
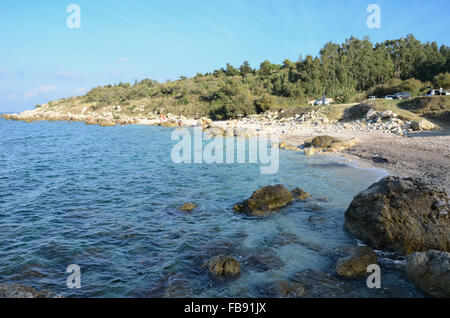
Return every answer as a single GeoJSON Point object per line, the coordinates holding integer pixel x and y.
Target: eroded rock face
{"type": "Point", "coordinates": [355, 265]}
{"type": "Point", "coordinates": [404, 215]}
{"type": "Point", "coordinates": [430, 271]}
{"type": "Point", "coordinates": [224, 266]}
{"type": "Point", "coordinates": [265, 200]}
{"type": "Point", "coordinates": [19, 291]}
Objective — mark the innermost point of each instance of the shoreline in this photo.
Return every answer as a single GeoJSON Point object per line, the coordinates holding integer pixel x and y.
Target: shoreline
{"type": "Point", "coordinates": [424, 154]}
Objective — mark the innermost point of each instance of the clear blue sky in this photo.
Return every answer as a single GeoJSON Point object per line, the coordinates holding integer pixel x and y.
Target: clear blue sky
{"type": "Point", "coordinates": [41, 59]}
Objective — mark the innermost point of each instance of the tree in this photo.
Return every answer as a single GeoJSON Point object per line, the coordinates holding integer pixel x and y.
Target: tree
{"type": "Point", "coordinates": [231, 71]}
{"type": "Point", "coordinates": [442, 80]}
{"type": "Point", "coordinates": [245, 69]}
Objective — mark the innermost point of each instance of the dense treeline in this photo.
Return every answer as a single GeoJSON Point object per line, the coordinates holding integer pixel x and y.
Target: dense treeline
{"type": "Point", "coordinates": [347, 72]}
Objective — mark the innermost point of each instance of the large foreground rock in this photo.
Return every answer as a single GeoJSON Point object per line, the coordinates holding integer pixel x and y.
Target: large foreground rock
{"type": "Point", "coordinates": [265, 200]}
{"type": "Point", "coordinates": [430, 271]}
{"type": "Point", "coordinates": [404, 215]}
{"type": "Point", "coordinates": [20, 291]}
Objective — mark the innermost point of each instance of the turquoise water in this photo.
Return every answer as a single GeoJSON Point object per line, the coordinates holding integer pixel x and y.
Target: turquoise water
{"type": "Point", "coordinates": [108, 198]}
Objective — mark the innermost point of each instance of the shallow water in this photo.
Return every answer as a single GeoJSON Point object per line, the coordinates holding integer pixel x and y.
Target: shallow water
{"type": "Point", "coordinates": [108, 198]}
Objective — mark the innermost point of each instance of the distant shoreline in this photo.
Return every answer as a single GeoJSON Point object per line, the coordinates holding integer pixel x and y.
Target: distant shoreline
{"type": "Point", "coordinates": [422, 154]}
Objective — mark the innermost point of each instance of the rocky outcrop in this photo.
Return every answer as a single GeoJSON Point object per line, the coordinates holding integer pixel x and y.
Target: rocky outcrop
{"type": "Point", "coordinates": [355, 265]}
{"type": "Point", "coordinates": [404, 215]}
{"type": "Point", "coordinates": [224, 266]}
{"type": "Point", "coordinates": [20, 291]}
{"type": "Point", "coordinates": [169, 123]}
{"type": "Point", "coordinates": [188, 207]}
{"type": "Point", "coordinates": [430, 271]}
{"type": "Point", "coordinates": [327, 143]}
{"type": "Point", "coordinates": [106, 123]}
{"type": "Point", "coordinates": [265, 200]}
{"type": "Point", "coordinates": [290, 289]}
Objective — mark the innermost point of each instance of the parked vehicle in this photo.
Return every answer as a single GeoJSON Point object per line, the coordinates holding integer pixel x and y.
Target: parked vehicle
{"type": "Point", "coordinates": [389, 97]}
{"type": "Point", "coordinates": [402, 95]}
{"type": "Point", "coordinates": [319, 102]}
{"type": "Point", "coordinates": [437, 92]}
{"type": "Point", "coordinates": [372, 98]}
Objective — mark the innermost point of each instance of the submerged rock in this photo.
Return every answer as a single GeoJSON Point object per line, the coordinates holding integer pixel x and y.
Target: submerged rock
{"type": "Point", "coordinates": [290, 289]}
{"type": "Point", "coordinates": [188, 207]}
{"type": "Point", "coordinates": [355, 265]}
{"type": "Point", "coordinates": [20, 291]}
{"type": "Point", "coordinates": [265, 200]}
{"type": "Point", "coordinates": [401, 215]}
{"type": "Point", "coordinates": [299, 194]}
{"type": "Point", "coordinates": [430, 271]}
{"type": "Point", "coordinates": [224, 266]}
{"type": "Point", "coordinates": [320, 284]}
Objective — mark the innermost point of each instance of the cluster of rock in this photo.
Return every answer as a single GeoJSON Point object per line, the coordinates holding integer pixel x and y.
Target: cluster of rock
{"type": "Point", "coordinates": [388, 121]}
{"type": "Point", "coordinates": [229, 131]}
{"type": "Point", "coordinates": [410, 217]}
{"type": "Point", "coordinates": [20, 291]}
{"type": "Point", "coordinates": [91, 118]}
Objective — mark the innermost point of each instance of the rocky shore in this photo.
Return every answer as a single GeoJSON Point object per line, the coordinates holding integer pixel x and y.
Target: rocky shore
{"type": "Point", "coordinates": [408, 215]}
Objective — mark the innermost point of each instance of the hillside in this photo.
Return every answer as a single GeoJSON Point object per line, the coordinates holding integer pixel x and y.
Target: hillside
{"type": "Point", "coordinates": [347, 73]}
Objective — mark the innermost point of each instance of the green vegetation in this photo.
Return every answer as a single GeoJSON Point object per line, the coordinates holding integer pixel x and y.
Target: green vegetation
{"type": "Point", "coordinates": [349, 72]}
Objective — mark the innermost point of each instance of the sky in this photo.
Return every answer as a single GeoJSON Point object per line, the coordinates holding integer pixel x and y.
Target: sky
{"type": "Point", "coordinates": [42, 59]}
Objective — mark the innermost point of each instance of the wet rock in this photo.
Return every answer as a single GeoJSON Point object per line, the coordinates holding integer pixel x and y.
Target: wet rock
{"type": "Point", "coordinates": [315, 218]}
{"type": "Point", "coordinates": [355, 265]}
{"type": "Point", "coordinates": [378, 159]}
{"type": "Point", "coordinates": [327, 144]}
{"type": "Point", "coordinates": [322, 141]}
{"type": "Point", "coordinates": [106, 123]}
{"type": "Point", "coordinates": [290, 289]}
{"type": "Point", "coordinates": [169, 123]}
{"type": "Point", "coordinates": [399, 214]}
{"type": "Point", "coordinates": [299, 194]}
{"type": "Point", "coordinates": [91, 121]}
{"type": "Point", "coordinates": [291, 148]}
{"type": "Point", "coordinates": [264, 260]}
{"type": "Point", "coordinates": [320, 284]}
{"type": "Point", "coordinates": [265, 200]}
{"type": "Point", "coordinates": [224, 266]}
{"type": "Point", "coordinates": [310, 151]}
{"type": "Point", "coordinates": [430, 271]}
{"type": "Point", "coordinates": [20, 291]}
{"type": "Point", "coordinates": [313, 206]}
{"type": "Point", "coordinates": [188, 207]}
